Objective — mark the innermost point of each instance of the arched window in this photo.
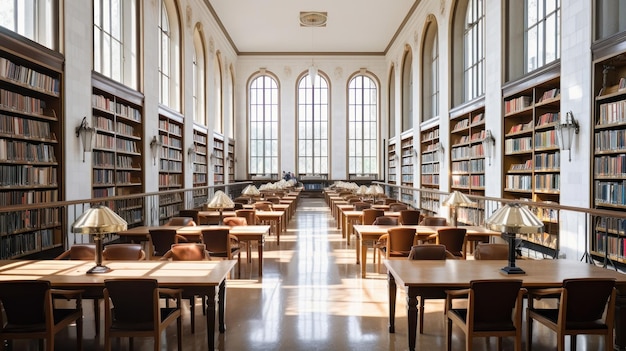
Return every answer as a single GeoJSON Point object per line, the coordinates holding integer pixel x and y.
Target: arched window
{"type": "Point", "coordinates": [218, 120]}
{"type": "Point", "coordinates": [263, 107]}
{"type": "Point", "coordinates": [430, 69]}
{"type": "Point", "coordinates": [313, 126]}
{"type": "Point", "coordinates": [36, 20]}
{"type": "Point", "coordinates": [474, 40]}
{"type": "Point", "coordinates": [199, 94]}
{"type": "Point", "coordinates": [115, 49]}
{"type": "Point", "coordinates": [362, 126]}
{"type": "Point", "coordinates": [407, 90]}
{"type": "Point", "coordinates": [543, 33]}
{"type": "Point", "coordinates": [392, 102]}
{"type": "Point", "coordinates": [231, 102]}
{"type": "Point", "coordinates": [169, 55]}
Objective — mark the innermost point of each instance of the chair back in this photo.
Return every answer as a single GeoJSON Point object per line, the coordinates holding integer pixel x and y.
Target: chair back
{"type": "Point", "coordinates": [489, 251]}
{"type": "Point", "coordinates": [273, 199]}
{"type": "Point", "coordinates": [389, 201]}
{"type": "Point", "coordinates": [493, 301]}
{"type": "Point", "coordinates": [428, 252]}
{"type": "Point", "coordinates": [352, 199]}
{"type": "Point", "coordinates": [400, 241]}
{"type": "Point", "coordinates": [114, 252]}
{"type": "Point", "coordinates": [237, 206]}
{"type": "Point", "coordinates": [24, 302]}
{"type": "Point", "coordinates": [162, 240]}
{"type": "Point", "coordinates": [241, 200]}
{"type": "Point", "coordinates": [190, 213]}
{"type": "Point", "coordinates": [385, 220]}
{"type": "Point", "coordinates": [397, 207]}
{"type": "Point", "coordinates": [249, 215]}
{"type": "Point", "coordinates": [359, 205]}
{"type": "Point", "coordinates": [263, 206]}
{"type": "Point", "coordinates": [587, 299]}
{"type": "Point", "coordinates": [235, 221]}
{"type": "Point", "coordinates": [453, 239]}
{"type": "Point", "coordinates": [135, 301]}
{"type": "Point", "coordinates": [370, 215]}
{"type": "Point", "coordinates": [79, 252]}
{"type": "Point", "coordinates": [217, 241]}
{"type": "Point", "coordinates": [180, 221]}
{"type": "Point", "coordinates": [409, 217]}
{"type": "Point", "coordinates": [187, 252]}
{"type": "Point", "coordinates": [435, 221]}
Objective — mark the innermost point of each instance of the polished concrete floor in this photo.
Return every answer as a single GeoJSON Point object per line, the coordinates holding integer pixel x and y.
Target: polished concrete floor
{"type": "Point", "coordinates": [311, 297]}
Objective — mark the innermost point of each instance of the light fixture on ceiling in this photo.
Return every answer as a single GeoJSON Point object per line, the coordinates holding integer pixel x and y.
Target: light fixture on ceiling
{"type": "Point", "coordinates": [313, 19]}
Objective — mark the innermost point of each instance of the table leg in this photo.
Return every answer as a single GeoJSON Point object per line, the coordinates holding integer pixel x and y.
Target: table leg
{"type": "Point", "coordinates": [210, 318]}
{"type": "Point", "coordinates": [221, 296]}
{"type": "Point", "coordinates": [278, 230]}
{"type": "Point", "coordinates": [363, 245]}
{"type": "Point", "coordinates": [391, 285]}
{"type": "Point", "coordinates": [260, 248]}
{"type": "Point", "coordinates": [411, 302]}
{"type": "Point", "coordinates": [620, 321]}
{"type": "Point", "coordinates": [344, 225]}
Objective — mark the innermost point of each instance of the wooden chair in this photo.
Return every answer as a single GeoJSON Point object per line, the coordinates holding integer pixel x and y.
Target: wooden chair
{"type": "Point", "coordinates": [494, 308]}
{"type": "Point", "coordinates": [491, 251]}
{"type": "Point", "coordinates": [360, 206]}
{"type": "Point", "coordinates": [28, 312]}
{"type": "Point", "coordinates": [409, 217]}
{"type": "Point", "coordinates": [386, 220]}
{"type": "Point", "coordinates": [581, 306]}
{"type": "Point", "coordinates": [114, 252]}
{"type": "Point", "coordinates": [263, 206]}
{"type": "Point", "coordinates": [398, 206]}
{"type": "Point", "coordinates": [181, 221]}
{"type": "Point", "coordinates": [396, 243]}
{"type": "Point", "coordinates": [454, 240]}
{"type": "Point", "coordinates": [79, 252]}
{"type": "Point", "coordinates": [235, 221]}
{"type": "Point", "coordinates": [220, 243]}
{"type": "Point", "coordinates": [434, 221]}
{"type": "Point", "coordinates": [249, 215]}
{"type": "Point", "coordinates": [132, 310]}
{"type": "Point", "coordinates": [194, 214]}
{"type": "Point", "coordinates": [162, 240]}
{"type": "Point", "coordinates": [369, 215]}
{"type": "Point", "coordinates": [273, 199]}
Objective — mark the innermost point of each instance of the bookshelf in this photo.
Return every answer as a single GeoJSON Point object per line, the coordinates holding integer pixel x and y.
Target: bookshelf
{"type": "Point", "coordinates": [31, 118]}
{"type": "Point", "coordinates": [430, 152]}
{"type": "Point", "coordinates": [609, 152]}
{"type": "Point", "coordinates": [117, 156]}
{"type": "Point", "coordinates": [467, 158]}
{"type": "Point", "coordinates": [531, 152]}
{"type": "Point", "coordinates": [170, 165]}
{"type": "Point", "coordinates": [231, 161]}
{"type": "Point", "coordinates": [217, 159]}
{"type": "Point", "coordinates": [200, 166]}
{"type": "Point", "coordinates": [406, 170]}
{"type": "Point", "coordinates": [391, 161]}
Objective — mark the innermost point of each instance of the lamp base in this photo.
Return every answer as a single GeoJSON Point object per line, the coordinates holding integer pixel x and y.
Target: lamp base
{"type": "Point", "coordinates": [512, 270]}
{"type": "Point", "coordinates": [99, 269]}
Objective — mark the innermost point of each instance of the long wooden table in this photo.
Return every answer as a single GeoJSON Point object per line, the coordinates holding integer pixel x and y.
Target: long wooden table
{"type": "Point", "coordinates": [351, 218]}
{"type": "Point", "coordinates": [202, 278]}
{"type": "Point", "coordinates": [456, 274]}
{"type": "Point", "coordinates": [369, 234]}
{"type": "Point", "coordinates": [274, 218]}
{"type": "Point", "coordinates": [248, 234]}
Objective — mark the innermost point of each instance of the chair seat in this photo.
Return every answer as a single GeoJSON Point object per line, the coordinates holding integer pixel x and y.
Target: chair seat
{"type": "Point", "coordinates": [552, 315]}
{"type": "Point", "coordinates": [478, 326]}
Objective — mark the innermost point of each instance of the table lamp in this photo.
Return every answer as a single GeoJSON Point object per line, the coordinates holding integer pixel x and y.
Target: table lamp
{"type": "Point", "coordinates": [97, 221]}
{"type": "Point", "coordinates": [375, 190]}
{"type": "Point", "coordinates": [362, 191]}
{"type": "Point", "coordinates": [250, 191]}
{"type": "Point", "coordinates": [455, 199]}
{"type": "Point", "coordinates": [510, 220]}
{"type": "Point", "coordinates": [220, 201]}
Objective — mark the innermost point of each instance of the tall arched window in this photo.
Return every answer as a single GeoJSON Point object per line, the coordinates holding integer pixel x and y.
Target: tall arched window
{"type": "Point", "coordinates": [218, 121]}
{"type": "Point", "coordinates": [474, 40]}
{"type": "Point", "coordinates": [362, 126]}
{"type": "Point", "coordinates": [231, 101]}
{"type": "Point", "coordinates": [199, 73]}
{"type": "Point", "coordinates": [543, 33]}
{"type": "Point", "coordinates": [430, 69]}
{"type": "Point", "coordinates": [169, 55]}
{"type": "Point", "coordinates": [313, 126]}
{"type": "Point", "coordinates": [263, 114]}
{"type": "Point", "coordinates": [392, 102]}
{"type": "Point", "coordinates": [407, 90]}
{"type": "Point", "coordinates": [36, 20]}
{"type": "Point", "coordinates": [115, 46]}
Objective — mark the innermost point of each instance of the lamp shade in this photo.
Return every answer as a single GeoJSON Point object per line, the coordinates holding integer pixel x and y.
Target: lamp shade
{"type": "Point", "coordinates": [313, 73]}
{"type": "Point", "coordinates": [362, 190]}
{"type": "Point", "coordinates": [99, 220]}
{"type": "Point", "coordinates": [220, 201]}
{"type": "Point", "coordinates": [250, 190]}
{"type": "Point", "coordinates": [513, 218]}
{"type": "Point", "coordinates": [457, 198]}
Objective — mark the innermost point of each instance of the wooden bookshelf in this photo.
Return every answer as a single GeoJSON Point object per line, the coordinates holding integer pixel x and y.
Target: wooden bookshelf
{"type": "Point", "coordinates": [609, 152]}
{"type": "Point", "coordinates": [531, 153]}
{"type": "Point", "coordinates": [430, 155]}
{"type": "Point", "coordinates": [31, 119]}
{"type": "Point", "coordinates": [467, 158]}
{"type": "Point", "coordinates": [200, 166]}
{"type": "Point", "coordinates": [170, 165]}
{"type": "Point", "coordinates": [231, 161]}
{"type": "Point", "coordinates": [406, 170]}
{"type": "Point", "coordinates": [391, 161]}
{"type": "Point", "coordinates": [217, 159]}
{"type": "Point", "coordinates": [117, 154]}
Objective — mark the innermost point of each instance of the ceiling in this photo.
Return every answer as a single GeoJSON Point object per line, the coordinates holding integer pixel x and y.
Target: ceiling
{"type": "Point", "coordinates": [273, 26]}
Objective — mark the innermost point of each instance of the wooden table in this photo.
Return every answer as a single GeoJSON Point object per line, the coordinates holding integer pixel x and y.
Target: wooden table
{"type": "Point", "coordinates": [366, 234]}
{"type": "Point", "coordinates": [456, 274]}
{"type": "Point", "coordinates": [198, 277]}
{"type": "Point", "coordinates": [248, 234]}
{"type": "Point", "coordinates": [274, 218]}
{"type": "Point", "coordinates": [352, 217]}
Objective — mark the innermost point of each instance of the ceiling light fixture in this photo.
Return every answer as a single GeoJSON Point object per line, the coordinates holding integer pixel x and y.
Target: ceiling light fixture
{"type": "Point", "coordinates": [313, 19]}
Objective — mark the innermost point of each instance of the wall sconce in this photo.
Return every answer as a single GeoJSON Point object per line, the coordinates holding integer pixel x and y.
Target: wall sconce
{"type": "Point", "coordinates": [488, 144]}
{"type": "Point", "coordinates": [155, 146]}
{"type": "Point", "coordinates": [191, 152]}
{"type": "Point", "coordinates": [565, 132]}
{"type": "Point", "coordinates": [415, 153]}
{"type": "Point", "coordinates": [86, 133]}
{"type": "Point", "coordinates": [442, 153]}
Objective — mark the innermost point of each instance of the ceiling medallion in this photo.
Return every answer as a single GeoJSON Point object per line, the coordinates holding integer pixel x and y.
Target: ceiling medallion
{"type": "Point", "coordinates": [313, 19]}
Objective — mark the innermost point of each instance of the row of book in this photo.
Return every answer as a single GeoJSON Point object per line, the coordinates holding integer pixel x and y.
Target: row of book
{"type": "Point", "coordinates": [520, 127]}
{"type": "Point", "coordinates": [518, 144]}
{"type": "Point", "coordinates": [612, 112]}
{"type": "Point", "coordinates": [127, 162]}
{"type": "Point", "coordinates": [19, 244]}
{"type": "Point", "coordinates": [22, 151]}
{"type": "Point", "coordinates": [21, 103]}
{"type": "Point", "coordinates": [26, 197]}
{"type": "Point", "coordinates": [548, 161]}
{"type": "Point", "coordinates": [517, 104]}
{"type": "Point", "coordinates": [610, 192]}
{"type": "Point", "coordinates": [430, 168]}
{"type": "Point", "coordinates": [465, 152]}
{"type": "Point", "coordinates": [543, 239]}
{"type": "Point", "coordinates": [200, 149]}
{"type": "Point", "coordinates": [170, 127]}
{"type": "Point", "coordinates": [24, 127]}
{"type": "Point", "coordinates": [526, 166]}
{"type": "Point", "coordinates": [470, 216]}
{"type": "Point", "coordinates": [407, 179]}
{"type": "Point", "coordinates": [429, 204]}
{"type": "Point", "coordinates": [615, 246]}
{"type": "Point", "coordinates": [610, 166]}
{"type": "Point", "coordinates": [11, 222]}
{"type": "Point", "coordinates": [28, 76]}
{"type": "Point", "coordinates": [407, 169]}
{"type": "Point", "coordinates": [406, 143]}
{"type": "Point", "coordinates": [103, 177]}
{"type": "Point", "coordinates": [430, 179]}
{"type": "Point", "coordinates": [27, 175]}
{"type": "Point", "coordinates": [170, 166]}
{"type": "Point", "coordinates": [433, 134]}
{"type": "Point", "coordinates": [127, 177]}
{"type": "Point", "coordinates": [200, 179]}
{"type": "Point", "coordinates": [546, 139]}
{"type": "Point", "coordinates": [518, 182]}
{"type": "Point", "coordinates": [171, 141]}
{"type": "Point", "coordinates": [469, 166]}
{"type": "Point", "coordinates": [430, 157]}
{"type": "Point", "coordinates": [548, 118]}
{"type": "Point", "coordinates": [132, 216]}
{"type": "Point", "coordinates": [103, 103]}
{"type": "Point", "coordinates": [168, 211]}
{"type": "Point", "coordinates": [610, 140]}
{"type": "Point", "coordinates": [199, 138]}
{"type": "Point", "coordinates": [547, 182]}
{"type": "Point", "coordinates": [466, 181]}
{"type": "Point", "coordinates": [170, 180]}
{"type": "Point", "coordinates": [462, 124]}
{"type": "Point", "coordinates": [549, 94]}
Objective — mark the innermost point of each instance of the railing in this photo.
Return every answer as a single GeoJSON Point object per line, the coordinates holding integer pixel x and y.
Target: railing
{"type": "Point", "coordinates": [35, 229]}
{"type": "Point", "coordinates": [591, 235]}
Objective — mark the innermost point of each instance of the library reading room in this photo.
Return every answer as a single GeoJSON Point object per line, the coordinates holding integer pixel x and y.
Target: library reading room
{"type": "Point", "coordinates": [305, 175]}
